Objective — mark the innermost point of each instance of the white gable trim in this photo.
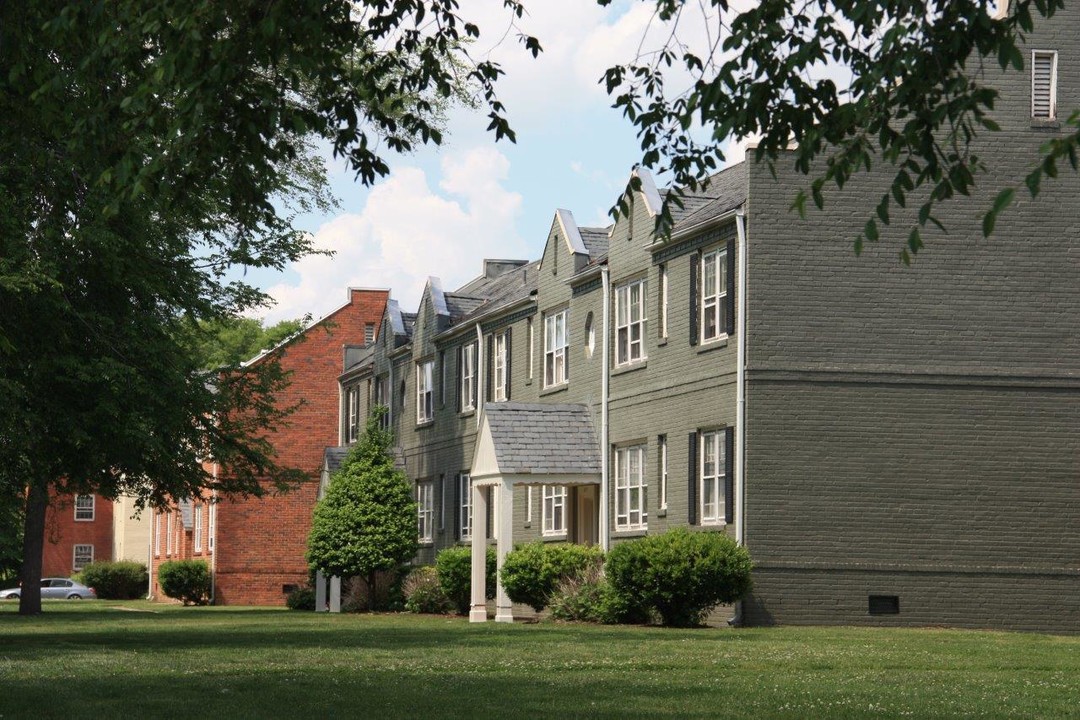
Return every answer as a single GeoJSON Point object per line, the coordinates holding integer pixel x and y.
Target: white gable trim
{"type": "Point", "coordinates": [438, 299]}
{"type": "Point", "coordinates": [570, 231]}
{"type": "Point", "coordinates": [653, 203]}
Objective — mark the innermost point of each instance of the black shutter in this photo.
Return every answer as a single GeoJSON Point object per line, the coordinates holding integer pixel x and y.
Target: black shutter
{"type": "Point", "coordinates": [566, 358]}
{"type": "Point", "coordinates": [506, 366]}
{"type": "Point", "coordinates": [475, 369]}
{"type": "Point", "coordinates": [694, 322]}
{"type": "Point", "coordinates": [660, 289]}
{"type": "Point", "coordinates": [729, 474]}
{"type": "Point", "coordinates": [692, 480]}
{"type": "Point", "coordinates": [457, 379]}
{"type": "Point", "coordinates": [731, 286]}
{"type": "Point", "coordinates": [456, 494]}
{"type": "Point", "coordinates": [489, 380]}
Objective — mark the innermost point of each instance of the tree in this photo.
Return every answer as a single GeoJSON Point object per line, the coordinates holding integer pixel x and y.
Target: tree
{"type": "Point", "coordinates": [148, 148]}
{"type": "Point", "coordinates": [11, 533]}
{"type": "Point", "coordinates": [366, 523]}
{"type": "Point", "coordinates": [228, 341]}
{"type": "Point", "coordinates": [916, 100]}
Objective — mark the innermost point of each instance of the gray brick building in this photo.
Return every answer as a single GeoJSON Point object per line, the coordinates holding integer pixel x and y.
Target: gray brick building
{"type": "Point", "coordinates": [895, 445]}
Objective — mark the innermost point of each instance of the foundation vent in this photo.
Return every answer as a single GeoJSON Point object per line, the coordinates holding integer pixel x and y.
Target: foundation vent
{"type": "Point", "coordinates": [884, 604]}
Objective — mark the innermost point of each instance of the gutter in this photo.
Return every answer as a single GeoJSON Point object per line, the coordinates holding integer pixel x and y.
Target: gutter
{"type": "Point", "coordinates": [605, 379]}
{"type": "Point", "coordinates": [740, 392]}
{"type": "Point", "coordinates": [480, 364]}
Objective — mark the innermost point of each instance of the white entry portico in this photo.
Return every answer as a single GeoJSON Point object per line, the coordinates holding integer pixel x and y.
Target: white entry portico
{"type": "Point", "coordinates": [523, 444]}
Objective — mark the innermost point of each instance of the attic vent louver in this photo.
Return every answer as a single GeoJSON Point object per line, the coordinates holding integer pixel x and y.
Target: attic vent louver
{"type": "Point", "coordinates": [1043, 85]}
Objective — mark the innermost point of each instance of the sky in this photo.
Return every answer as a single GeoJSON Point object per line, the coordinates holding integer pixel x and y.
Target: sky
{"type": "Point", "coordinates": [441, 211]}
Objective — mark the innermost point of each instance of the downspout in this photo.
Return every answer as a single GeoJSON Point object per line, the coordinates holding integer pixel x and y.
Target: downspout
{"type": "Point", "coordinates": [480, 365]}
{"type": "Point", "coordinates": [213, 539]}
{"type": "Point", "coordinates": [740, 392]}
{"type": "Point", "coordinates": [605, 376]}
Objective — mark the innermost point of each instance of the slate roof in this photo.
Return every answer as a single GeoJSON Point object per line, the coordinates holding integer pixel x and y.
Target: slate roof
{"type": "Point", "coordinates": [506, 289]}
{"type": "Point", "coordinates": [333, 457]}
{"type": "Point", "coordinates": [726, 191]}
{"type": "Point", "coordinates": [538, 438]}
{"type": "Point", "coordinates": [596, 240]}
{"type": "Point", "coordinates": [461, 305]}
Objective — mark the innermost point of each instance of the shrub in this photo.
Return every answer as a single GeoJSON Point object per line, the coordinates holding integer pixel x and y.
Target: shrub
{"type": "Point", "coordinates": [531, 571]}
{"type": "Point", "coordinates": [423, 593]}
{"type": "Point", "coordinates": [185, 580]}
{"type": "Point", "coordinates": [589, 597]}
{"type": "Point", "coordinates": [680, 574]}
{"type": "Point", "coordinates": [454, 567]}
{"type": "Point", "coordinates": [302, 598]}
{"type": "Point", "coordinates": [122, 580]}
{"type": "Point", "coordinates": [357, 596]}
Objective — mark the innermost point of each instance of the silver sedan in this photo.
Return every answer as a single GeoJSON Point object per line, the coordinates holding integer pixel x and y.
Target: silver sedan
{"type": "Point", "coordinates": [60, 588]}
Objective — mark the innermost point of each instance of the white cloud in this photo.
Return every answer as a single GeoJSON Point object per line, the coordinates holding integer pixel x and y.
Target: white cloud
{"type": "Point", "coordinates": [406, 231]}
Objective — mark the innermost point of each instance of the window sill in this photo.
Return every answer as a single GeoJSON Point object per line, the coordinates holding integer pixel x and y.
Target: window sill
{"type": "Point", "coordinates": [557, 389]}
{"type": "Point", "coordinates": [527, 525]}
{"type": "Point", "coordinates": [425, 424]}
{"type": "Point", "coordinates": [661, 342]}
{"type": "Point", "coordinates": [640, 532]}
{"type": "Point", "coordinates": [662, 512]}
{"type": "Point", "coordinates": [427, 543]}
{"type": "Point", "coordinates": [467, 413]}
{"type": "Point", "coordinates": [1046, 123]}
{"type": "Point", "coordinates": [557, 537]}
{"type": "Point", "coordinates": [630, 367]}
{"type": "Point", "coordinates": [720, 342]}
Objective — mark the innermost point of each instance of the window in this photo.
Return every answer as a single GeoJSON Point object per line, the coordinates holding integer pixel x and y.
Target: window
{"type": "Point", "coordinates": [198, 528]}
{"type": "Point", "coordinates": [442, 502]}
{"type": "Point", "coordinates": [84, 507]}
{"type": "Point", "coordinates": [554, 510]}
{"type": "Point", "coordinates": [630, 323]}
{"type": "Point", "coordinates": [712, 477]}
{"type": "Point", "coordinates": [168, 533]}
{"type": "Point", "coordinates": [83, 556]}
{"type": "Point", "coordinates": [714, 295]}
{"type": "Point", "coordinates": [157, 534]}
{"type": "Point", "coordinates": [590, 336]}
{"type": "Point", "coordinates": [442, 378]}
{"type": "Point", "coordinates": [663, 303]}
{"type": "Point", "coordinates": [352, 408]}
{"type": "Point", "coordinates": [425, 511]}
{"type": "Point", "coordinates": [210, 522]}
{"type": "Point", "coordinates": [555, 344]}
{"type": "Point", "coordinates": [532, 349]}
{"type": "Point", "coordinates": [1043, 84]}
{"type": "Point", "coordinates": [465, 510]}
{"type": "Point", "coordinates": [500, 367]}
{"type": "Point", "coordinates": [369, 333]}
{"type": "Point", "coordinates": [382, 399]}
{"type": "Point", "coordinates": [467, 380]}
{"type": "Point", "coordinates": [630, 488]}
{"type": "Point", "coordinates": [662, 443]}
{"type": "Point", "coordinates": [528, 505]}
{"type": "Point", "coordinates": [425, 391]}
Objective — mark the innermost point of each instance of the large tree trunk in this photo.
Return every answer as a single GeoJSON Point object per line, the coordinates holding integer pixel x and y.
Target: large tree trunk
{"type": "Point", "coordinates": [37, 502]}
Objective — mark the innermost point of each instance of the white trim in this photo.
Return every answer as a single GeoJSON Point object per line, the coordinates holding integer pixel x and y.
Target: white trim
{"type": "Point", "coordinates": [425, 511]}
{"type": "Point", "coordinates": [556, 346]}
{"type": "Point", "coordinates": [663, 472]}
{"type": "Point", "coordinates": [625, 322]}
{"type": "Point", "coordinates": [653, 203]}
{"type": "Point", "coordinates": [157, 534]}
{"type": "Point", "coordinates": [467, 380]}
{"type": "Point", "coordinates": [716, 478]}
{"type": "Point", "coordinates": [465, 509]}
{"type": "Point", "coordinates": [211, 525]}
{"type": "Point", "coordinates": [570, 231]}
{"type": "Point", "coordinates": [169, 533]}
{"type": "Point", "coordinates": [630, 488]}
{"type": "Point", "coordinates": [718, 297]}
{"type": "Point", "coordinates": [553, 521]}
{"type": "Point", "coordinates": [1051, 99]}
{"type": "Point", "coordinates": [529, 504]}
{"type": "Point", "coordinates": [425, 391]}
{"type": "Point", "coordinates": [498, 368]}
{"type": "Point", "coordinates": [663, 290]}
{"type": "Point", "coordinates": [197, 543]}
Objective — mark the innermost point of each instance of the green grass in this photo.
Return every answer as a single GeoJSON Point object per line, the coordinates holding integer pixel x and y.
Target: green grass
{"type": "Point", "coordinates": [91, 660]}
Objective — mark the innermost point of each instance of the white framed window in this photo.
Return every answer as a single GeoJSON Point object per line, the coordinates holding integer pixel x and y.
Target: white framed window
{"type": "Point", "coordinates": [529, 505]}
{"type": "Point", "coordinates": [553, 510]}
{"type": "Point", "coordinates": [532, 349]}
{"type": "Point", "coordinates": [465, 519]}
{"type": "Point", "coordinates": [1044, 84]}
{"type": "Point", "coordinates": [157, 534]}
{"type": "Point", "coordinates": [662, 443]}
{"type": "Point", "coordinates": [555, 346]}
{"type": "Point", "coordinates": [663, 302]}
{"type": "Point", "coordinates": [499, 368]}
{"type": "Point", "coordinates": [442, 502]}
{"type": "Point", "coordinates": [84, 508]}
{"type": "Point", "coordinates": [168, 532]}
{"type": "Point", "coordinates": [714, 295]}
{"type": "Point", "coordinates": [211, 521]}
{"type": "Point", "coordinates": [425, 511]}
{"type": "Point", "coordinates": [630, 323]}
{"type": "Point", "coordinates": [468, 376]}
{"type": "Point", "coordinates": [382, 397]}
{"type": "Point", "coordinates": [197, 540]}
{"type": "Point", "coordinates": [82, 556]}
{"type": "Point", "coordinates": [352, 408]}
{"type": "Point", "coordinates": [630, 488]}
{"type": "Point", "coordinates": [712, 477]}
{"type": "Point", "coordinates": [425, 391]}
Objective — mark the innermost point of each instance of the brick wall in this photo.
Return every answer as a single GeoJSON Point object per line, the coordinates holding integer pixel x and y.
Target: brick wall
{"type": "Point", "coordinates": [63, 532]}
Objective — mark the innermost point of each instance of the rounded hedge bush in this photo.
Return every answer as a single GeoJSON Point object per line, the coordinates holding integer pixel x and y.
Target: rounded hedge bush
{"type": "Point", "coordinates": [302, 598]}
{"type": "Point", "coordinates": [531, 571]}
{"type": "Point", "coordinates": [185, 580]}
{"type": "Point", "coordinates": [121, 580]}
{"type": "Point", "coordinates": [454, 568]}
{"type": "Point", "coordinates": [680, 574]}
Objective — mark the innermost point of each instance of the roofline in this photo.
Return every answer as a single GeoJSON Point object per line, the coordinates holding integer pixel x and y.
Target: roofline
{"type": "Point", "coordinates": [569, 226]}
{"type": "Point", "coordinates": [457, 329]}
{"type": "Point", "coordinates": [698, 227]}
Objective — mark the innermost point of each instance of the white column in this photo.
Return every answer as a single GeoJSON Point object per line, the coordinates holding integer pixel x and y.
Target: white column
{"type": "Point", "coordinates": [335, 594]}
{"type": "Point", "coordinates": [478, 611]}
{"type": "Point", "coordinates": [503, 608]}
{"type": "Point", "coordinates": [320, 592]}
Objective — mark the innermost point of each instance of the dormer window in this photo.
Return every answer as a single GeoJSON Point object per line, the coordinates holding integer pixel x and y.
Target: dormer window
{"type": "Point", "coordinates": [1044, 84]}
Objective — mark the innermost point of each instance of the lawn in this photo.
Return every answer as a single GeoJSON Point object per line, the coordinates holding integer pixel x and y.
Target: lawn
{"type": "Point", "coordinates": [95, 660]}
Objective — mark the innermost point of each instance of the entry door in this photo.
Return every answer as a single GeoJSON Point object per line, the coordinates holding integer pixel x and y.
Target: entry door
{"type": "Point", "coordinates": [587, 518]}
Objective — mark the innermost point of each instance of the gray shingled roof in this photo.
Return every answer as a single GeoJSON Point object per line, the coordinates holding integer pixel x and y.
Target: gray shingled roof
{"type": "Point", "coordinates": [726, 191]}
{"type": "Point", "coordinates": [506, 289]}
{"type": "Point", "coordinates": [461, 305]}
{"type": "Point", "coordinates": [596, 241]}
{"type": "Point", "coordinates": [537, 438]}
{"type": "Point", "coordinates": [334, 456]}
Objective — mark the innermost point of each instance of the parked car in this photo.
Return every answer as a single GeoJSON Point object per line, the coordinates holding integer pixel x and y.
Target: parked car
{"type": "Point", "coordinates": [60, 588]}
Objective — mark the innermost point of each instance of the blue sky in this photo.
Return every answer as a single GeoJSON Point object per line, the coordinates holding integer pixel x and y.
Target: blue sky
{"type": "Point", "coordinates": [442, 210]}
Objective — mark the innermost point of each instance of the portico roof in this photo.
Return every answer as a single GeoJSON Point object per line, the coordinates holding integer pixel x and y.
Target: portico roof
{"type": "Point", "coordinates": [536, 443]}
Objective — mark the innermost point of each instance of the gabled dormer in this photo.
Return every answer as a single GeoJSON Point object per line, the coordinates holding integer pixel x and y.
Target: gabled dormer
{"type": "Point", "coordinates": [399, 325]}
{"type": "Point", "coordinates": [565, 252]}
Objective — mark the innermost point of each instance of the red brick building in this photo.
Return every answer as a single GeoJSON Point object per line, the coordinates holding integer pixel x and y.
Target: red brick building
{"type": "Point", "coordinates": [78, 531]}
{"type": "Point", "coordinates": [255, 546]}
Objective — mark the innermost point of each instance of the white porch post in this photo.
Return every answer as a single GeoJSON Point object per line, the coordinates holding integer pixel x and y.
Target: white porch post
{"type": "Point", "coordinates": [503, 607]}
{"type": "Point", "coordinates": [478, 611]}
{"type": "Point", "coordinates": [335, 594]}
{"type": "Point", "coordinates": [320, 592]}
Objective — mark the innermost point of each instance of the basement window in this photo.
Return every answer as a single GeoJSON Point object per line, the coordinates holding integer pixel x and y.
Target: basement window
{"type": "Point", "coordinates": [884, 604]}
